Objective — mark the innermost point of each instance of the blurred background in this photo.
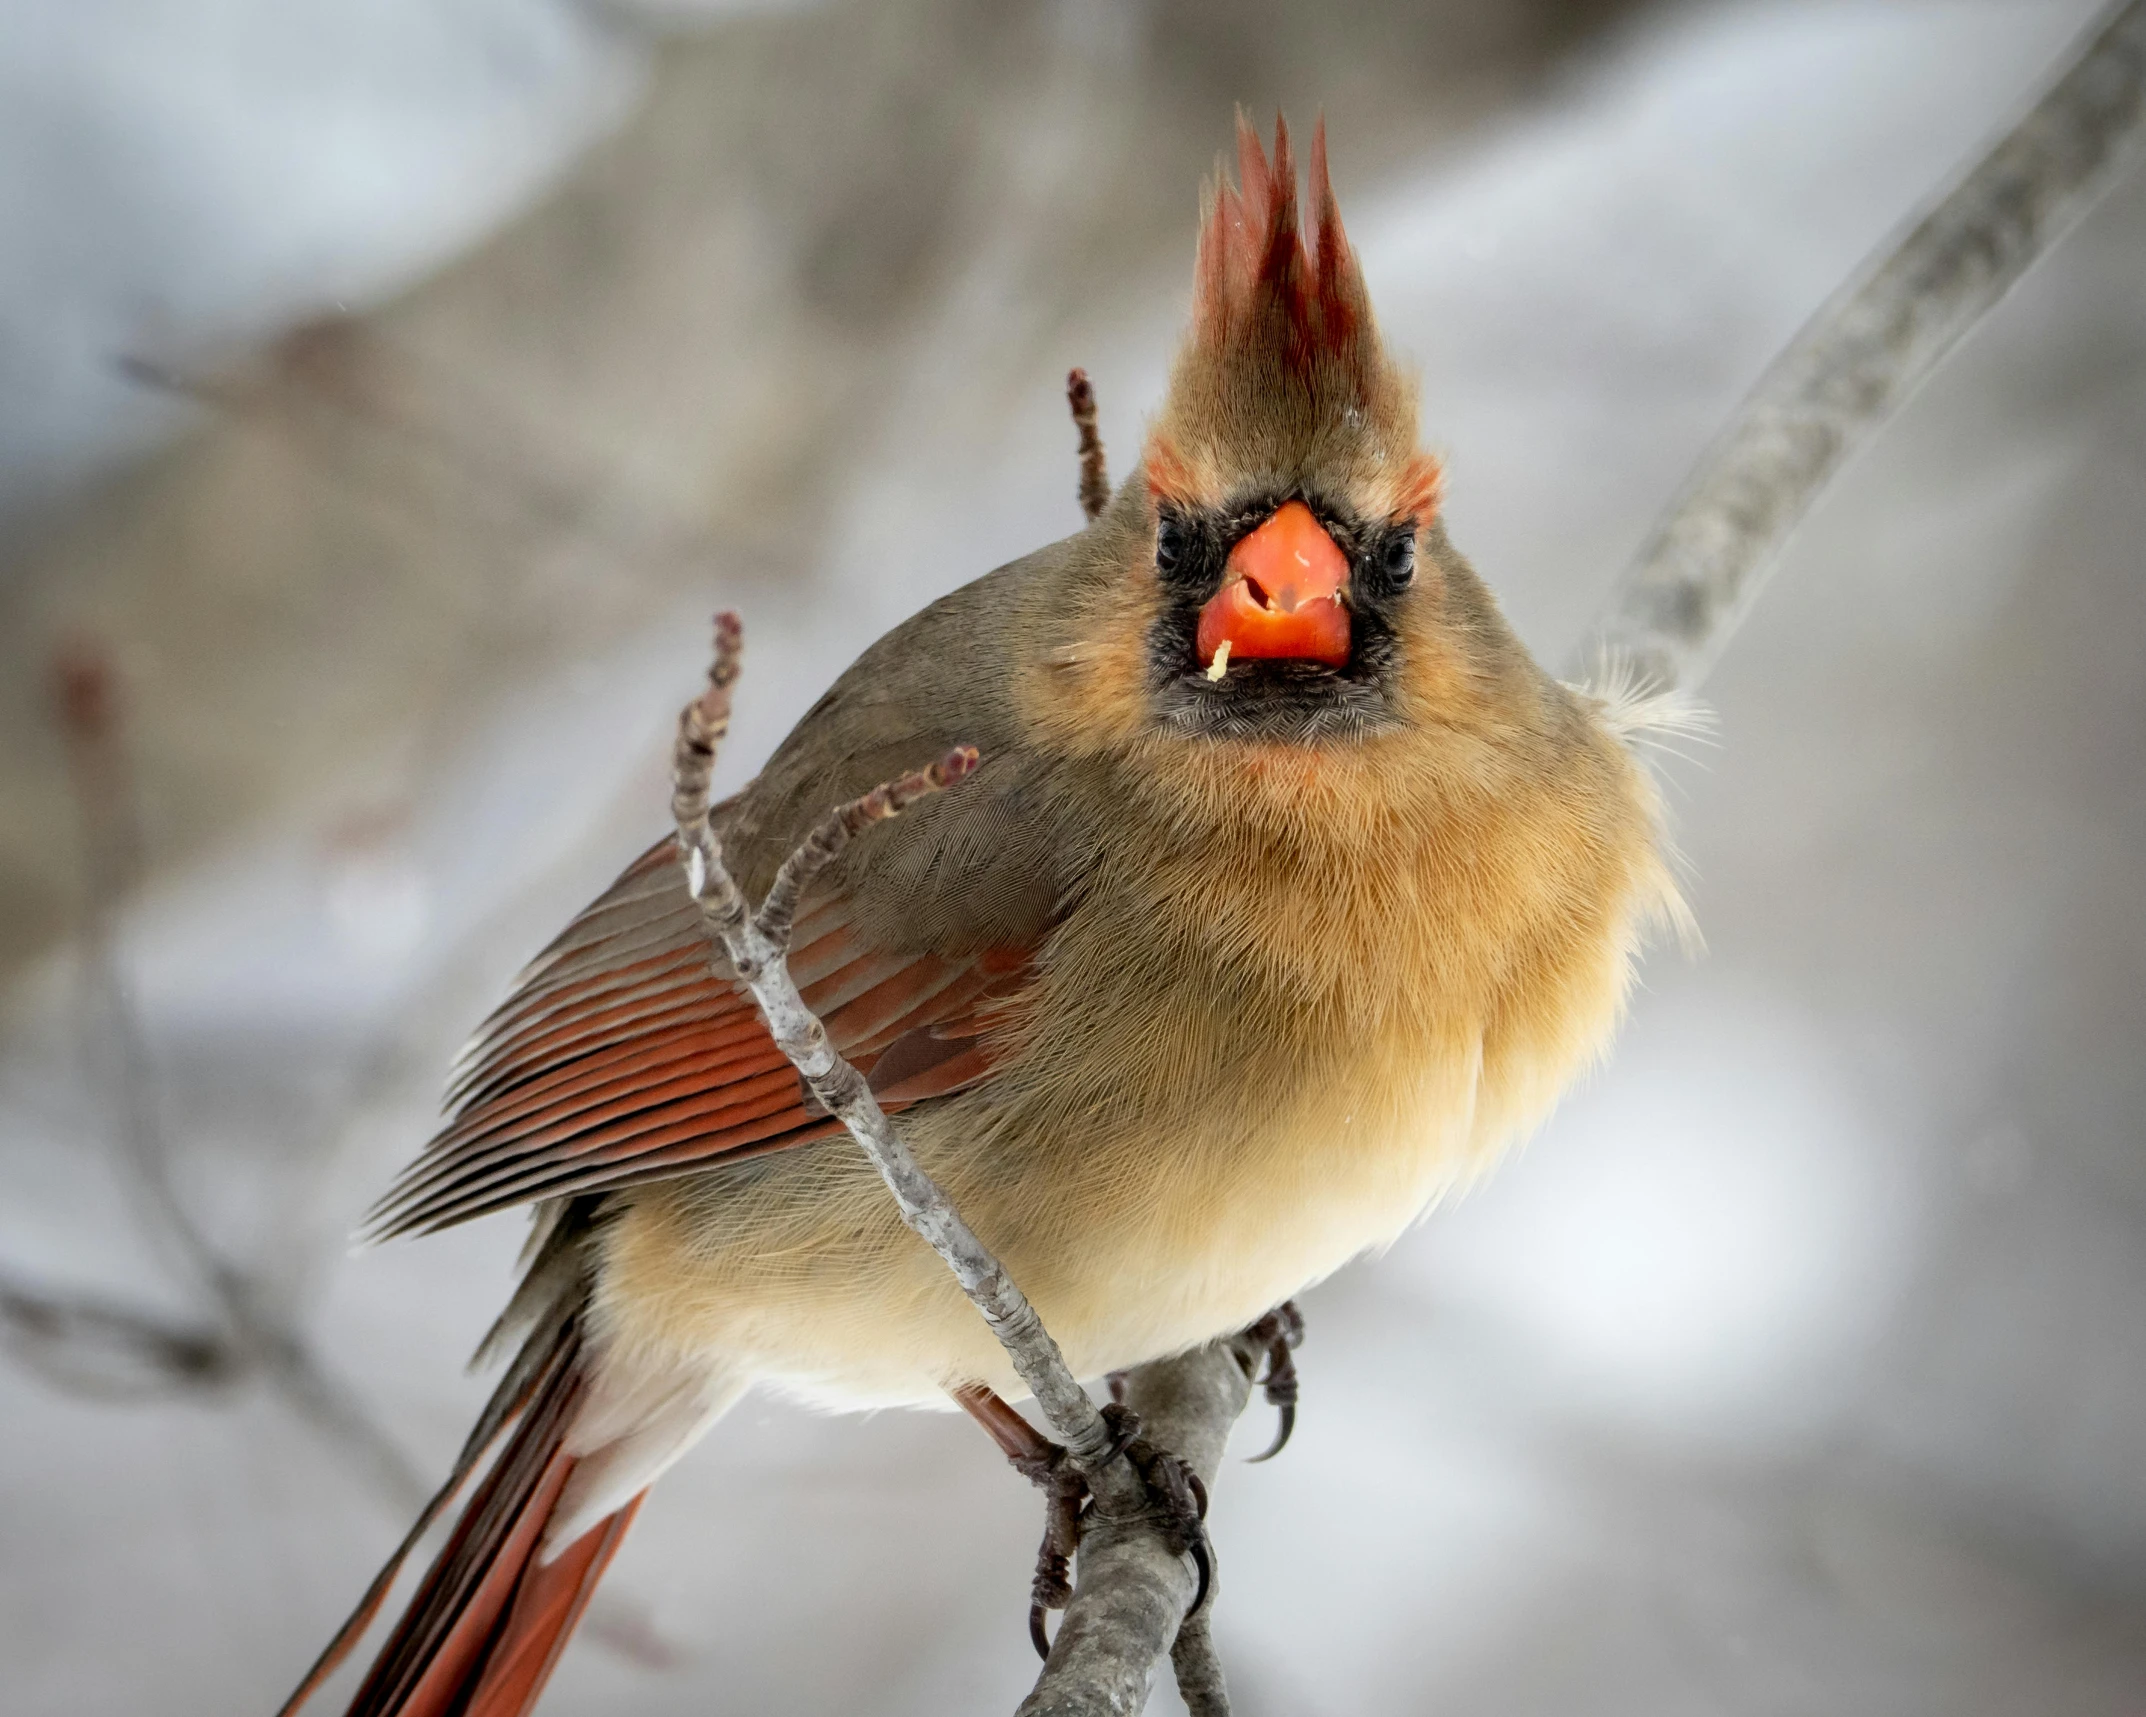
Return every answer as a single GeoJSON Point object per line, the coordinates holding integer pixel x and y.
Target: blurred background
{"type": "Point", "coordinates": [389, 390]}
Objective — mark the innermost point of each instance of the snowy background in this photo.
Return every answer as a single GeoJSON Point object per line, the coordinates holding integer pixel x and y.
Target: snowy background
{"type": "Point", "coordinates": [1800, 1365]}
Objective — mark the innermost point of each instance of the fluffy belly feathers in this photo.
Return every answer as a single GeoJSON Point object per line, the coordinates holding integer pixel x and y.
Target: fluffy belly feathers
{"type": "Point", "coordinates": [796, 1270]}
{"type": "Point", "coordinates": [1226, 1089]}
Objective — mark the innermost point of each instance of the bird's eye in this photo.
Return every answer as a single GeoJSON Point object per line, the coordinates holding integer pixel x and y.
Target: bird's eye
{"type": "Point", "coordinates": [1398, 559]}
{"type": "Point", "coordinates": [1169, 544]}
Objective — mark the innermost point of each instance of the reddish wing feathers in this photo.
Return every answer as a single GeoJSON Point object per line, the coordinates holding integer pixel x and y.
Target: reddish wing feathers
{"type": "Point", "coordinates": [622, 1057]}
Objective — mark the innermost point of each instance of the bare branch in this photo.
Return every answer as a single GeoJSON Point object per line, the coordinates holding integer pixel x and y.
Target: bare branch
{"type": "Point", "coordinates": [1863, 355]}
{"type": "Point", "coordinates": [1131, 1593]}
{"type": "Point", "coordinates": [1094, 472]}
{"type": "Point", "coordinates": [1200, 1683]}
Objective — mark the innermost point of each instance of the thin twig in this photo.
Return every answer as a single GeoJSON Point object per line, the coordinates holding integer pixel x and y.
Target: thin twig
{"type": "Point", "coordinates": [1094, 472]}
{"type": "Point", "coordinates": [835, 831]}
{"type": "Point", "coordinates": [1857, 362]}
{"type": "Point", "coordinates": [1138, 1564]}
{"type": "Point", "coordinates": [757, 957]}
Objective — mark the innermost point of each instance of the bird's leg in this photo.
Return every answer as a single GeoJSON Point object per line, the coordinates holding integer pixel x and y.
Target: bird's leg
{"type": "Point", "coordinates": [1174, 1490]}
{"type": "Point", "coordinates": [1280, 1332]}
{"type": "Point", "coordinates": [1044, 1464]}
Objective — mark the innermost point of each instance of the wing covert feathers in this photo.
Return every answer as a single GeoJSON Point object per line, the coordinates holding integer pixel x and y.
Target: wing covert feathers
{"type": "Point", "coordinates": [624, 1055]}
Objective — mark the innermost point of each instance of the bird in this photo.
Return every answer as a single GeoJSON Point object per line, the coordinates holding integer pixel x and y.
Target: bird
{"type": "Point", "coordinates": [1287, 891]}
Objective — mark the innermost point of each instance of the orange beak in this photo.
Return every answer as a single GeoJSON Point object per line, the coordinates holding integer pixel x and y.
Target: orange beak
{"type": "Point", "coordinates": [1283, 596]}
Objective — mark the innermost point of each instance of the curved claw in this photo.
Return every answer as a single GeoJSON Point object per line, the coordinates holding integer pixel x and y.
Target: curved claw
{"type": "Point", "coordinates": [1280, 1330]}
{"type": "Point", "coordinates": [1203, 1560]}
{"type": "Point", "coordinates": [1038, 1635]}
{"type": "Point", "coordinates": [1288, 1412]}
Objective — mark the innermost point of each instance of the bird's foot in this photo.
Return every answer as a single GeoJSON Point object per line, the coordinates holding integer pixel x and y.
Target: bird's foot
{"type": "Point", "coordinates": [1176, 1499]}
{"type": "Point", "coordinates": [1279, 1333]}
{"type": "Point", "coordinates": [1065, 1489]}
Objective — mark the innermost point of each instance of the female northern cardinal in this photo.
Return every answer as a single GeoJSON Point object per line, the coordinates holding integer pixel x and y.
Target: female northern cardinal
{"type": "Point", "coordinates": [1289, 889]}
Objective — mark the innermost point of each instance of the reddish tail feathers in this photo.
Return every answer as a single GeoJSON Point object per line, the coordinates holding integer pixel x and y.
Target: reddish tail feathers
{"type": "Point", "coordinates": [486, 1626]}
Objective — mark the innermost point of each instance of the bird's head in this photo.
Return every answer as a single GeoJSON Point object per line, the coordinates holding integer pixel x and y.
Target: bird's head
{"type": "Point", "coordinates": [1263, 573]}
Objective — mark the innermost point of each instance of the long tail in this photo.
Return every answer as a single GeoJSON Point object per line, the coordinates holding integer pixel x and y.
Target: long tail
{"type": "Point", "coordinates": [488, 1622]}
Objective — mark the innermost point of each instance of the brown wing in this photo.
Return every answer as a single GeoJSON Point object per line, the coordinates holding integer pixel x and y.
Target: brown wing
{"type": "Point", "coordinates": [622, 1056]}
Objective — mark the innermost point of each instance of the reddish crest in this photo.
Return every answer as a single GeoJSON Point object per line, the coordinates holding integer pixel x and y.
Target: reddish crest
{"type": "Point", "coordinates": [1257, 261]}
{"type": "Point", "coordinates": [1282, 382]}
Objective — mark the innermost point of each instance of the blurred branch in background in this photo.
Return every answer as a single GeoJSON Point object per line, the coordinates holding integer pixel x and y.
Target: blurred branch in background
{"type": "Point", "coordinates": [244, 1324]}
{"type": "Point", "coordinates": [106, 1351]}
{"type": "Point", "coordinates": [373, 419]}
{"type": "Point", "coordinates": [245, 1314]}
{"type": "Point", "coordinates": [1862, 357]}
{"type": "Point", "coordinates": [240, 1328]}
